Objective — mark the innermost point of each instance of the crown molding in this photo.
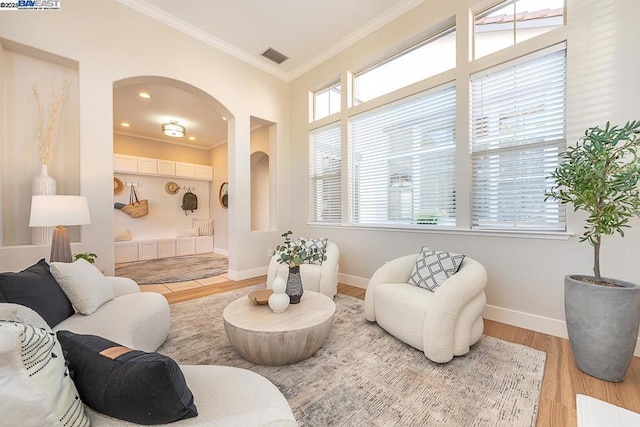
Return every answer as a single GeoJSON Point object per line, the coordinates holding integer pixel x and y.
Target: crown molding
{"type": "Point", "coordinates": [356, 36]}
{"type": "Point", "coordinates": [178, 24]}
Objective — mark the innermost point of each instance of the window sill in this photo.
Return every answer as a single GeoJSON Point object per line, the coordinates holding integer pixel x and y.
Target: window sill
{"type": "Point", "coordinates": [516, 234]}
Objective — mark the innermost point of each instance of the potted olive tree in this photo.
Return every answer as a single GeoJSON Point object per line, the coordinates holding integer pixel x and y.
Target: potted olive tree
{"type": "Point", "coordinates": [599, 175]}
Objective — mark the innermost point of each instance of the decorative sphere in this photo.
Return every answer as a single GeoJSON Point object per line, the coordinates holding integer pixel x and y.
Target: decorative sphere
{"type": "Point", "coordinates": [279, 286]}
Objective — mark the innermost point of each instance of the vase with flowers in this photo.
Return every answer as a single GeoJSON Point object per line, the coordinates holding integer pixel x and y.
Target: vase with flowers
{"type": "Point", "coordinates": [45, 184]}
{"type": "Point", "coordinates": [294, 253]}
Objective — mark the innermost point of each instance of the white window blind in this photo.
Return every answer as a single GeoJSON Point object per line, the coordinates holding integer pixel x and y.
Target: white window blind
{"type": "Point", "coordinates": [325, 174]}
{"type": "Point", "coordinates": [402, 162]}
{"type": "Point", "coordinates": [517, 131]}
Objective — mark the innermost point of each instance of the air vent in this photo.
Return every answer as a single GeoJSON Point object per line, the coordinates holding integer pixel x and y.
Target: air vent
{"type": "Point", "coordinates": [274, 55]}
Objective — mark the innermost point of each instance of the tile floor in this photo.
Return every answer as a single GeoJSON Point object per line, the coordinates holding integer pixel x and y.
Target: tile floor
{"type": "Point", "coordinates": [167, 288]}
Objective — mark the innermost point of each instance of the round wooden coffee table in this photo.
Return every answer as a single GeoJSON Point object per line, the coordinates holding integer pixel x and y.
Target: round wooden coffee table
{"type": "Point", "coordinates": [266, 338]}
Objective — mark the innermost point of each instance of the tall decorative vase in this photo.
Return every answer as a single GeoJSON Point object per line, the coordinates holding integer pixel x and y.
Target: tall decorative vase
{"type": "Point", "coordinates": [41, 185]}
{"type": "Point", "coordinates": [294, 285]}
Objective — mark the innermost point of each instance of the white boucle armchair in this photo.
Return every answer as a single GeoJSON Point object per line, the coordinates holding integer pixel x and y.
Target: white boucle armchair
{"type": "Point", "coordinates": [322, 278]}
{"type": "Point", "coordinates": [442, 324]}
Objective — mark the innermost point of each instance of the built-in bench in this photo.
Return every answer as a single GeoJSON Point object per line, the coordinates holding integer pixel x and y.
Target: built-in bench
{"type": "Point", "coordinates": [145, 249]}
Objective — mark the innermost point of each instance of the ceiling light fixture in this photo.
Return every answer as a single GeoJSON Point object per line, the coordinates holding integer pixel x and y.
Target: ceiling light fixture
{"type": "Point", "coordinates": [144, 95]}
{"type": "Point", "coordinates": [192, 138]}
{"type": "Point", "coordinates": [173, 129]}
{"type": "Point", "coordinates": [124, 124]}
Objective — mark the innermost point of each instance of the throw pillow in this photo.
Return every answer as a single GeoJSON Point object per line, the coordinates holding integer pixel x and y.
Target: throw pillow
{"type": "Point", "coordinates": [123, 236]}
{"type": "Point", "coordinates": [319, 243]}
{"type": "Point", "coordinates": [36, 387]}
{"type": "Point", "coordinates": [36, 288]}
{"type": "Point", "coordinates": [434, 267]}
{"type": "Point", "coordinates": [144, 388]}
{"type": "Point", "coordinates": [204, 226]}
{"type": "Point", "coordinates": [83, 283]}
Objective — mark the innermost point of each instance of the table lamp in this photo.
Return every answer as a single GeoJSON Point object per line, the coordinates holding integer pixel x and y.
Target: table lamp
{"type": "Point", "coordinates": [58, 211]}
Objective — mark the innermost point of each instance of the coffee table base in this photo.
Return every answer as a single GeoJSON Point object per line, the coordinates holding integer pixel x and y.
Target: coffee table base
{"type": "Point", "coordinates": [277, 349]}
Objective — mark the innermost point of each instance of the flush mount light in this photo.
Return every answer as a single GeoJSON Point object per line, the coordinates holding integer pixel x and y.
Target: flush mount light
{"type": "Point", "coordinates": [144, 95]}
{"type": "Point", "coordinates": [173, 129]}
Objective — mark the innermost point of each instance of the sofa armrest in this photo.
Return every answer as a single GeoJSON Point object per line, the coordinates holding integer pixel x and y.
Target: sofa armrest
{"type": "Point", "coordinates": [122, 285]}
{"type": "Point", "coordinates": [329, 271]}
{"type": "Point", "coordinates": [394, 271]}
{"type": "Point", "coordinates": [448, 301]}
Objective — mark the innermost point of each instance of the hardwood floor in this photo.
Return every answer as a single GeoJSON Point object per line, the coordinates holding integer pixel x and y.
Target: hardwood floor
{"type": "Point", "coordinates": [562, 379]}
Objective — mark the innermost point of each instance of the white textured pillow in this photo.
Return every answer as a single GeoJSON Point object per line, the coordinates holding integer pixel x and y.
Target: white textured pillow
{"type": "Point", "coordinates": [36, 388]}
{"type": "Point", "coordinates": [204, 226]}
{"type": "Point", "coordinates": [123, 236]}
{"type": "Point", "coordinates": [187, 232]}
{"type": "Point", "coordinates": [434, 267]}
{"type": "Point", "coordinates": [84, 285]}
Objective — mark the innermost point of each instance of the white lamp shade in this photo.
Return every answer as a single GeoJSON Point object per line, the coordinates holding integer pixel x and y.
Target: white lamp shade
{"type": "Point", "coordinates": [48, 211]}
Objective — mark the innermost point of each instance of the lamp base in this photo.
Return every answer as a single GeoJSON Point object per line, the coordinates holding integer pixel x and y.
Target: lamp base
{"type": "Point", "coordinates": [60, 245]}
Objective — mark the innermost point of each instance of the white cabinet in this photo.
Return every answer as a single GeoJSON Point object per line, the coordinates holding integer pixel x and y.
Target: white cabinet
{"type": "Point", "coordinates": [204, 244]}
{"type": "Point", "coordinates": [204, 172]}
{"type": "Point", "coordinates": [125, 163]}
{"type": "Point", "coordinates": [147, 249]}
{"type": "Point", "coordinates": [185, 170]}
{"type": "Point", "coordinates": [185, 246]}
{"type": "Point", "coordinates": [166, 248]}
{"type": "Point", "coordinates": [147, 165]}
{"type": "Point", "coordinates": [126, 252]}
{"type": "Point", "coordinates": [166, 167]}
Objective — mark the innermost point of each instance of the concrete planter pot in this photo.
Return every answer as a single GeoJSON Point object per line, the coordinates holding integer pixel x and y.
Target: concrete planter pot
{"type": "Point", "coordinates": [603, 325]}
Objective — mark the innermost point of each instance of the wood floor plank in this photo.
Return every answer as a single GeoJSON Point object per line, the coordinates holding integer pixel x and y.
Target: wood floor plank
{"type": "Point", "coordinates": [562, 379]}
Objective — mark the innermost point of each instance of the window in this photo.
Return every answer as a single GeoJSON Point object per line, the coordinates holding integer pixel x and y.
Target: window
{"type": "Point", "coordinates": [326, 101]}
{"type": "Point", "coordinates": [517, 132]}
{"type": "Point", "coordinates": [325, 174]}
{"type": "Point", "coordinates": [513, 21]}
{"type": "Point", "coordinates": [402, 162]}
{"type": "Point", "coordinates": [426, 59]}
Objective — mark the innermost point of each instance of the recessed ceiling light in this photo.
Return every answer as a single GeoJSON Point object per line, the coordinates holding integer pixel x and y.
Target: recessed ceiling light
{"type": "Point", "coordinates": [125, 124]}
{"type": "Point", "coordinates": [224, 118]}
{"type": "Point", "coordinates": [192, 138]}
{"type": "Point", "coordinates": [144, 95]}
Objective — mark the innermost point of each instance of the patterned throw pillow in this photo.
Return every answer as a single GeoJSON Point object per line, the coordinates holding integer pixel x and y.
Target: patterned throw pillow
{"type": "Point", "coordinates": [38, 388]}
{"type": "Point", "coordinates": [204, 226]}
{"type": "Point", "coordinates": [318, 243]}
{"type": "Point", "coordinates": [434, 267]}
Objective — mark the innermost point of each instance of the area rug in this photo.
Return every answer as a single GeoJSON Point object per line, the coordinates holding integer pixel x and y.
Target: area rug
{"type": "Point", "coordinates": [364, 376]}
{"type": "Point", "coordinates": [174, 269]}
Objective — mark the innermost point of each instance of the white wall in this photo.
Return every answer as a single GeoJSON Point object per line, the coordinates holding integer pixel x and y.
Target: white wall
{"type": "Point", "coordinates": [220, 214]}
{"type": "Point", "coordinates": [525, 272]}
{"type": "Point", "coordinates": [112, 42]}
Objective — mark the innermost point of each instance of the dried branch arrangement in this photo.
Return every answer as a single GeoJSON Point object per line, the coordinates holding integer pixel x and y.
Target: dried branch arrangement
{"type": "Point", "coordinates": [44, 139]}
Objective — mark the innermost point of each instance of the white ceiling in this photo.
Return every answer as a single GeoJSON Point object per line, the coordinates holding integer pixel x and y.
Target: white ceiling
{"type": "Point", "coordinates": [308, 32]}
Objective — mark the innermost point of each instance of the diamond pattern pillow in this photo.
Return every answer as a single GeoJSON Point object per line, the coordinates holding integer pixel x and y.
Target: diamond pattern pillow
{"type": "Point", "coordinates": [434, 267]}
{"type": "Point", "coordinates": [319, 243]}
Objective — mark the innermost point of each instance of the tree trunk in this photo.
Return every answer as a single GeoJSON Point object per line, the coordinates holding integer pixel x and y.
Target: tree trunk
{"type": "Point", "coordinates": [596, 259]}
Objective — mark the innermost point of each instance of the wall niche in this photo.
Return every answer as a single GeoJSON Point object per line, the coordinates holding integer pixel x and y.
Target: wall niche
{"type": "Point", "coordinates": [23, 68]}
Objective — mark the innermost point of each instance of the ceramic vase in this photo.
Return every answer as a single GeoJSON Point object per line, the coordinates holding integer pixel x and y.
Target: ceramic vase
{"type": "Point", "coordinates": [42, 185]}
{"type": "Point", "coordinates": [294, 285]}
{"type": "Point", "coordinates": [279, 300]}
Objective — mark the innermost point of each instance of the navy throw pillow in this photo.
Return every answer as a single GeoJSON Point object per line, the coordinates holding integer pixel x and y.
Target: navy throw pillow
{"type": "Point", "coordinates": [36, 288]}
{"type": "Point", "coordinates": [131, 385]}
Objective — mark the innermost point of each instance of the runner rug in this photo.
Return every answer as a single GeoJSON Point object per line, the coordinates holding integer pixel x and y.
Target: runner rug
{"type": "Point", "coordinates": [364, 376]}
{"type": "Point", "coordinates": [174, 269]}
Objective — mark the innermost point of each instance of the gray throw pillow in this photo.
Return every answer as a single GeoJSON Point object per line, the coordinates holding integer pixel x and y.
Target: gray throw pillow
{"type": "Point", "coordinates": [318, 243]}
{"type": "Point", "coordinates": [434, 267]}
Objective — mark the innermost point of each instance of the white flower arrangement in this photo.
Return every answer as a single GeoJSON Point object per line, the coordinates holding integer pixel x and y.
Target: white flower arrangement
{"type": "Point", "coordinates": [45, 140]}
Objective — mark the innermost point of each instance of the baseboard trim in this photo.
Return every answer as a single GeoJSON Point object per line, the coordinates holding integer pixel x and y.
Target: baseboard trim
{"type": "Point", "coordinates": [358, 282]}
{"type": "Point", "coordinates": [248, 274]}
{"type": "Point", "coordinates": [220, 251]}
